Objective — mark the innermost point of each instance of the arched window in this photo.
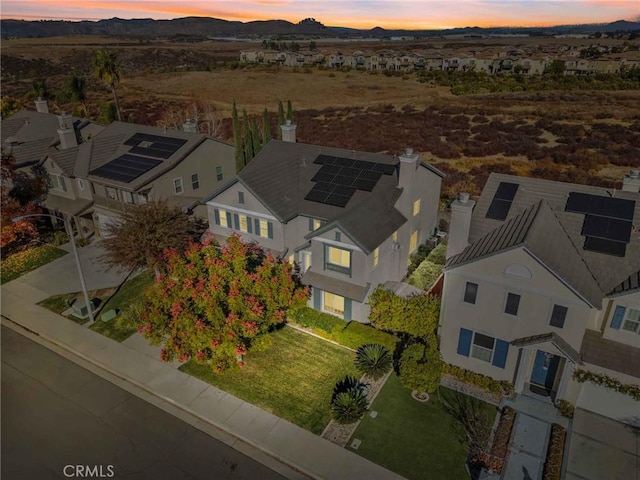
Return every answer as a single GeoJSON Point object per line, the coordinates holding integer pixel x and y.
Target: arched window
{"type": "Point", "coordinates": [517, 270]}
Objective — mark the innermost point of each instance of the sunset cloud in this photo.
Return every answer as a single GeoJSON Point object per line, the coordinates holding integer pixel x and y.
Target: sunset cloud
{"type": "Point", "coordinates": [411, 14]}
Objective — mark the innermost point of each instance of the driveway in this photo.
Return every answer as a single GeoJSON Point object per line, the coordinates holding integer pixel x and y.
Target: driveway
{"type": "Point", "coordinates": [61, 275]}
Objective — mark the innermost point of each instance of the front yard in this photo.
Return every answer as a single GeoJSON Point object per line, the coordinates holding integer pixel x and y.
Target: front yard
{"type": "Point", "coordinates": [293, 379]}
{"type": "Point", "coordinates": [416, 440]}
{"type": "Point", "coordinates": [23, 262]}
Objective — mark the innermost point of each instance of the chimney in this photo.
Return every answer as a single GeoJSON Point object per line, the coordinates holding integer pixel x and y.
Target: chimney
{"type": "Point", "coordinates": [461, 210]}
{"type": "Point", "coordinates": [408, 166]}
{"type": "Point", "coordinates": [189, 126]}
{"type": "Point", "coordinates": [631, 182]}
{"type": "Point", "coordinates": [288, 132]}
{"type": "Point", "coordinates": [41, 106]}
{"type": "Point", "coordinates": [66, 132]}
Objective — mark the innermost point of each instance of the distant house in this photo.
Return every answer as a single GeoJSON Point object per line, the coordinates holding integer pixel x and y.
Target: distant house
{"type": "Point", "coordinates": [542, 278]}
{"type": "Point", "coordinates": [348, 220]}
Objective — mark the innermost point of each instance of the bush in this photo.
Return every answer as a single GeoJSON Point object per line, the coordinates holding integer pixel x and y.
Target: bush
{"type": "Point", "coordinates": [438, 255]}
{"type": "Point", "coordinates": [373, 360]}
{"type": "Point", "coordinates": [425, 275]}
{"type": "Point", "coordinates": [349, 401]}
{"type": "Point", "coordinates": [565, 408]}
{"type": "Point", "coordinates": [25, 261]}
{"type": "Point", "coordinates": [350, 334]}
{"type": "Point", "coordinates": [555, 451]}
{"type": "Point", "coordinates": [421, 368]}
{"type": "Point", "coordinates": [477, 379]}
{"type": "Point", "coordinates": [415, 259]}
{"type": "Point", "coordinates": [60, 238]}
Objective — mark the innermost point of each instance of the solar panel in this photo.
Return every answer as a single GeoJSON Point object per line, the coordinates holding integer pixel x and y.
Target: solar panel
{"type": "Point", "coordinates": [342, 180]}
{"type": "Point", "coordinates": [133, 141]}
{"type": "Point", "coordinates": [364, 184]}
{"type": "Point", "coordinates": [151, 152]}
{"type": "Point", "coordinates": [599, 205]}
{"type": "Point", "coordinates": [324, 187]}
{"type": "Point", "coordinates": [361, 164]}
{"type": "Point", "coordinates": [344, 162]}
{"type": "Point", "coordinates": [342, 190]}
{"type": "Point", "coordinates": [126, 168]}
{"type": "Point", "coordinates": [370, 175]}
{"type": "Point", "coordinates": [330, 169]}
{"type": "Point", "coordinates": [499, 209]}
{"type": "Point", "coordinates": [323, 177]}
{"type": "Point", "coordinates": [386, 169]}
{"type": "Point", "coordinates": [350, 171]}
{"type": "Point", "coordinates": [316, 196]}
{"type": "Point", "coordinates": [337, 200]}
{"type": "Point", "coordinates": [607, 228]}
{"type": "Point", "coordinates": [609, 247]}
{"type": "Point", "coordinates": [322, 159]}
{"type": "Point", "coordinates": [506, 191]}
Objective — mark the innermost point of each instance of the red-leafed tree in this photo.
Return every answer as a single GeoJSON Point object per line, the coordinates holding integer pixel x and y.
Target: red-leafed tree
{"type": "Point", "coordinates": [215, 303]}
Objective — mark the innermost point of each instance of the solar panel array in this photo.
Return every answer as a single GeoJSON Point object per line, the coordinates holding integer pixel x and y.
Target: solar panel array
{"type": "Point", "coordinates": [501, 203]}
{"type": "Point", "coordinates": [339, 178]}
{"type": "Point", "coordinates": [147, 151]}
{"type": "Point", "coordinates": [607, 223]}
{"type": "Point", "coordinates": [126, 168]}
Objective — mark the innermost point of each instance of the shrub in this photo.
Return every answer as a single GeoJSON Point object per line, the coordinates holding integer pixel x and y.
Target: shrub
{"type": "Point", "coordinates": [501, 438]}
{"type": "Point", "coordinates": [350, 334]}
{"type": "Point", "coordinates": [22, 262]}
{"type": "Point", "coordinates": [425, 275]}
{"type": "Point", "coordinates": [373, 360]}
{"type": "Point", "coordinates": [59, 238]}
{"type": "Point", "coordinates": [477, 379]}
{"type": "Point", "coordinates": [415, 259]}
{"type": "Point", "coordinates": [555, 451]}
{"type": "Point", "coordinates": [606, 381]}
{"type": "Point", "coordinates": [438, 255]}
{"type": "Point", "coordinates": [349, 401]}
{"type": "Point", "coordinates": [566, 408]}
{"type": "Point", "coordinates": [421, 368]}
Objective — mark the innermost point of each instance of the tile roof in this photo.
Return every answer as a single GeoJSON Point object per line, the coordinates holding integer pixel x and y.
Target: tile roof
{"type": "Point", "coordinates": [607, 270]}
{"type": "Point", "coordinates": [609, 354]}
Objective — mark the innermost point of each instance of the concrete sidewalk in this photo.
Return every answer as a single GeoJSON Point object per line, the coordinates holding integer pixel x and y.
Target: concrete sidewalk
{"type": "Point", "coordinates": [282, 446]}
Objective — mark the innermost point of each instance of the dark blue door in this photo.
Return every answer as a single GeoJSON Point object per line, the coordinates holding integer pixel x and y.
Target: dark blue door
{"type": "Point", "coordinates": [544, 370]}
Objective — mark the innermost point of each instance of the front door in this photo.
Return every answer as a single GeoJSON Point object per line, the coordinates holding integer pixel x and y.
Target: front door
{"type": "Point", "coordinates": [544, 370]}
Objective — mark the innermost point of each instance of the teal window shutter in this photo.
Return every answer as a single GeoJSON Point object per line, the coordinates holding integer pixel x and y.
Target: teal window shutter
{"type": "Point", "coordinates": [317, 293]}
{"type": "Point", "coordinates": [249, 225]}
{"type": "Point", "coordinates": [229, 220]}
{"type": "Point", "coordinates": [464, 342]}
{"type": "Point", "coordinates": [500, 353]}
{"type": "Point", "coordinates": [618, 315]}
{"type": "Point", "coordinates": [257, 226]}
{"type": "Point", "coordinates": [311, 224]}
{"type": "Point", "coordinates": [270, 229]}
{"type": "Point", "coordinates": [216, 214]}
{"type": "Point", "coordinates": [236, 221]}
{"type": "Point", "coordinates": [347, 308]}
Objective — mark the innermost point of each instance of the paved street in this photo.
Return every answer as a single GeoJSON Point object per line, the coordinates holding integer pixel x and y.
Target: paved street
{"type": "Point", "coordinates": [55, 413]}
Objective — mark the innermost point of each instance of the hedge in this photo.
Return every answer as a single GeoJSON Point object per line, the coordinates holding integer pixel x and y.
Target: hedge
{"type": "Point", "coordinates": [479, 380]}
{"type": "Point", "coordinates": [350, 334]}
{"type": "Point", "coordinates": [555, 451]}
{"type": "Point", "coordinates": [606, 381]}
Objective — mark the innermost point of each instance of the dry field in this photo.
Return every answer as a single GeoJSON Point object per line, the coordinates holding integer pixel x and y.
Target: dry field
{"type": "Point", "coordinates": [579, 136]}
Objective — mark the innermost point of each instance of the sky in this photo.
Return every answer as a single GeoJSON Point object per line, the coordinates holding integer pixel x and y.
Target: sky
{"type": "Point", "coordinates": [409, 14]}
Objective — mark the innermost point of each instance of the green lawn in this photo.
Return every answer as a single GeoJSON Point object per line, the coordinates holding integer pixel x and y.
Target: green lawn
{"type": "Point", "coordinates": [293, 379]}
{"type": "Point", "coordinates": [132, 291]}
{"type": "Point", "coordinates": [23, 262]}
{"type": "Point", "coordinates": [413, 439]}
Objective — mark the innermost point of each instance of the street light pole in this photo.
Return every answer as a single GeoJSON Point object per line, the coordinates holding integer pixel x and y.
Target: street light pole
{"type": "Point", "coordinates": [74, 249]}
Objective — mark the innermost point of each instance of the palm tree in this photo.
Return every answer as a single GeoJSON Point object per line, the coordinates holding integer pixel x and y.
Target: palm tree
{"type": "Point", "coordinates": [373, 360]}
{"type": "Point", "coordinates": [349, 402]}
{"type": "Point", "coordinates": [107, 68]}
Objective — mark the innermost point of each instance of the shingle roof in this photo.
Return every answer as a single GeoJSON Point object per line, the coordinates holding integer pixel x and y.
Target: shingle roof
{"type": "Point", "coordinates": [280, 177]}
{"type": "Point", "coordinates": [610, 354]}
{"type": "Point", "coordinates": [554, 338]}
{"type": "Point", "coordinates": [607, 270]}
{"type": "Point", "coordinates": [336, 285]}
{"type": "Point", "coordinates": [538, 230]}
{"type": "Point", "coordinates": [630, 284]}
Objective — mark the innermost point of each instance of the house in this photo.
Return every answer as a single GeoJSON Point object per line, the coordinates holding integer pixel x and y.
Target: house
{"type": "Point", "coordinates": [348, 220]}
{"type": "Point", "coordinates": [131, 164]}
{"type": "Point", "coordinates": [542, 278]}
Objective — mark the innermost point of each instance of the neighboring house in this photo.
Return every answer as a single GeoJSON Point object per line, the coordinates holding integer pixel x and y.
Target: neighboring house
{"type": "Point", "coordinates": [349, 220]}
{"type": "Point", "coordinates": [131, 164]}
{"type": "Point", "coordinates": [542, 278]}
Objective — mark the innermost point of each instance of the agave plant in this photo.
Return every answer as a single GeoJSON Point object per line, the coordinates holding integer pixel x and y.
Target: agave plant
{"type": "Point", "coordinates": [373, 360]}
{"type": "Point", "coordinates": [349, 401]}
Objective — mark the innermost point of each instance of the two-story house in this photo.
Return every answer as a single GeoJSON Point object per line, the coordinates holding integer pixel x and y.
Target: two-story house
{"type": "Point", "coordinates": [349, 220]}
{"type": "Point", "coordinates": [131, 164]}
{"type": "Point", "coordinates": [541, 279]}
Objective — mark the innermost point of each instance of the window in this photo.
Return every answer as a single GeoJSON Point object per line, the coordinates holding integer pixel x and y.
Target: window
{"type": "Point", "coordinates": [632, 321]}
{"type": "Point", "coordinates": [291, 259]}
{"type": "Point", "coordinates": [240, 197]}
{"type": "Point", "coordinates": [413, 242]}
{"type": "Point", "coordinates": [112, 193]}
{"type": "Point", "coordinates": [177, 185]}
{"type": "Point", "coordinates": [223, 219]}
{"type": "Point", "coordinates": [338, 260]}
{"type": "Point", "coordinates": [143, 197]}
{"type": "Point", "coordinates": [56, 181]}
{"type": "Point", "coordinates": [470, 293]}
{"type": "Point", "coordinates": [513, 302]}
{"type": "Point", "coordinates": [262, 228]}
{"type": "Point", "coordinates": [244, 224]}
{"type": "Point", "coordinates": [333, 303]}
{"type": "Point", "coordinates": [314, 224]}
{"type": "Point", "coordinates": [376, 257]}
{"type": "Point", "coordinates": [558, 316]}
{"type": "Point", "coordinates": [81, 184]}
{"type": "Point", "coordinates": [482, 347]}
{"type": "Point", "coordinates": [338, 236]}
{"type": "Point", "coordinates": [394, 236]}
{"type": "Point", "coordinates": [128, 197]}
{"type": "Point", "coordinates": [219, 175]}
{"type": "Point", "coordinates": [416, 207]}
{"type": "Point", "coordinates": [195, 181]}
